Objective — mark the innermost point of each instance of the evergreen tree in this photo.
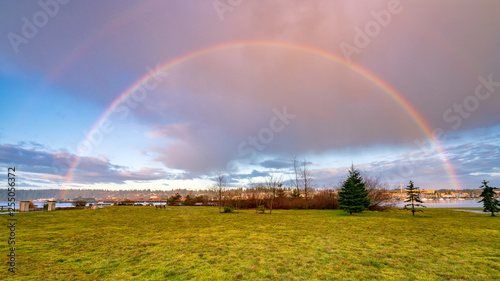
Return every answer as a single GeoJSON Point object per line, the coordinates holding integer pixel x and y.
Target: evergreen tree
{"type": "Point", "coordinates": [295, 193]}
{"type": "Point", "coordinates": [490, 203]}
{"type": "Point", "coordinates": [353, 196]}
{"type": "Point", "coordinates": [413, 199]}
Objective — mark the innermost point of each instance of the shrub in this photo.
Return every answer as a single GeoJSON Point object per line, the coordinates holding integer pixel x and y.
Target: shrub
{"type": "Point", "coordinates": [127, 202]}
{"type": "Point", "coordinates": [228, 209]}
{"type": "Point", "coordinates": [325, 199]}
{"type": "Point", "coordinates": [261, 209]}
{"type": "Point", "coordinates": [79, 203]}
{"type": "Point", "coordinates": [380, 198]}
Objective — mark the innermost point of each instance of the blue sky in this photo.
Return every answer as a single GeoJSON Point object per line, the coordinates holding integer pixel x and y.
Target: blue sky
{"type": "Point", "coordinates": [63, 65]}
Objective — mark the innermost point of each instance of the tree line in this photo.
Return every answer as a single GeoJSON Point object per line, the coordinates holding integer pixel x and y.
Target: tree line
{"type": "Point", "coordinates": [272, 193]}
{"type": "Point", "coordinates": [357, 193]}
{"type": "Point", "coordinates": [33, 194]}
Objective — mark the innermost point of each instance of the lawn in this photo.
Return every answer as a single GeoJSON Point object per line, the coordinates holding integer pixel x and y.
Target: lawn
{"type": "Point", "coordinates": [198, 243]}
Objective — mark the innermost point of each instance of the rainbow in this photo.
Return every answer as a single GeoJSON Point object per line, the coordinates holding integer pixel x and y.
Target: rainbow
{"type": "Point", "coordinates": [396, 96]}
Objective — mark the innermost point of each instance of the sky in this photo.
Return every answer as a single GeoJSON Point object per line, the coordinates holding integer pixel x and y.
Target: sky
{"type": "Point", "coordinates": [166, 94]}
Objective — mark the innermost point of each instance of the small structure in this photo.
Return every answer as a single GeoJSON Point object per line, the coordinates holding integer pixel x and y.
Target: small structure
{"type": "Point", "coordinates": [52, 206]}
{"type": "Point", "coordinates": [24, 206]}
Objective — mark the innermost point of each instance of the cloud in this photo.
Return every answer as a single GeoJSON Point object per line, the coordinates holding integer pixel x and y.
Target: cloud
{"type": "Point", "coordinates": [472, 162]}
{"type": "Point", "coordinates": [213, 105]}
{"type": "Point", "coordinates": [486, 174]}
{"type": "Point", "coordinates": [24, 185]}
{"type": "Point", "coordinates": [222, 99]}
{"type": "Point", "coordinates": [276, 164]}
{"type": "Point", "coordinates": [236, 179]}
{"type": "Point", "coordinates": [55, 166]}
{"type": "Point", "coordinates": [253, 174]}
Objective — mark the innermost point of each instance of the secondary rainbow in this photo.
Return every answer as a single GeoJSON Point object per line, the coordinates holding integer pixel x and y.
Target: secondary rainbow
{"type": "Point", "coordinates": [397, 97]}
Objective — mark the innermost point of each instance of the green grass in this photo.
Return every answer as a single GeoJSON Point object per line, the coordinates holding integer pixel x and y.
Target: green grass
{"type": "Point", "coordinates": [198, 243]}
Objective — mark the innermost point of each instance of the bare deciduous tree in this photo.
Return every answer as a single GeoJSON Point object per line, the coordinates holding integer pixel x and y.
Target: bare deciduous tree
{"type": "Point", "coordinates": [296, 181]}
{"type": "Point", "coordinates": [377, 193]}
{"type": "Point", "coordinates": [272, 183]}
{"type": "Point", "coordinates": [235, 194]}
{"type": "Point", "coordinates": [303, 179]}
{"type": "Point", "coordinates": [307, 180]}
{"type": "Point", "coordinates": [219, 188]}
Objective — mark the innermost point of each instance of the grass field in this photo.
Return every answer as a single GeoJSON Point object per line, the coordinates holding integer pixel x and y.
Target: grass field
{"type": "Point", "coordinates": [198, 243]}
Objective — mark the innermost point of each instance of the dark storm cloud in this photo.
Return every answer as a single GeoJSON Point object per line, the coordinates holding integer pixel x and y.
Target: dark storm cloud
{"type": "Point", "coordinates": [276, 164]}
{"type": "Point", "coordinates": [210, 108]}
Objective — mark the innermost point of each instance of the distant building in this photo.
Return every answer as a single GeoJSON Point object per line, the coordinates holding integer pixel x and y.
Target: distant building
{"type": "Point", "coordinates": [429, 194]}
{"type": "Point", "coordinates": [455, 195]}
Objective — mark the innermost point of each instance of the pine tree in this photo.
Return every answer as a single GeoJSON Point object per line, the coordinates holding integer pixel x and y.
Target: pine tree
{"type": "Point", "coordinates": [490, 203]}
{"type": "Point", "coordinates": [353, 196]}
{"type": "Point", "coordinates": [413, 199]}
{"type": "Point", "coordinates": [295, 193]}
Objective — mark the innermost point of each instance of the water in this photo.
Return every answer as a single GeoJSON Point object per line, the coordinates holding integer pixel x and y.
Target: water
{"type": "Point", "coordinates": [58, 205]}
{"type": "Point", "coordinates": [40, 204]}
{"type": "Point", "coordinates": [472, 211]}
{"type": "Point", "coordinates": [429, 204]}
{"type": "Point", "coordinates": [448, 203]}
